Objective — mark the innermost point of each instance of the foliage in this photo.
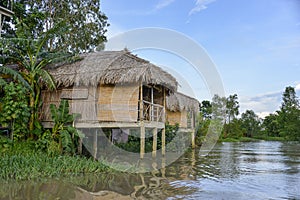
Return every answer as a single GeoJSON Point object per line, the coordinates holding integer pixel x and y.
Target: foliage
{"type": "Point", "coordinates": [23, 162]}
{"type": "Point", "coordinates": [85, 29]}
{"type": "Point", "coordinates": [5, 144]}
{"type": "Point", "coordinates": [232, 129]}
{"type": "Point", "coordinates": [15, 112]}
{"type": "Point", "coordinates": [250, 123]}
{"type": "Point", "coordinates": [28, 57]}
{"type": "Point", "coordinates": [206, 109]}
{"type": "Point", "coordinates": [63, 134]}
{"type": "Point", "coordinates": [232, 107]}
{"type": "Point", "coordinates": [289, 115]}
{"type": "Point", "coordinates": [133, 144]}
{"type": "Point", "coordinates": [218, 107]}
{"type": "Point", "coordinates": [271, 125]}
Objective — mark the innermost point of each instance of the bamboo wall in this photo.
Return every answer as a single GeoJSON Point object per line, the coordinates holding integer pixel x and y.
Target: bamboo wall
{"type": "Point", "coordinates": [81, 100]}
{"type": "Point", "coordinates": [177, 117]}
{"type": "Point", "coordinates": [118, 103]}
{"type": "Point", "coordinates": [47, 99]}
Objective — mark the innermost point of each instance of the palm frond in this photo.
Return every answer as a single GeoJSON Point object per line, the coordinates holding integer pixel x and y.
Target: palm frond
{"type": "Point", "coordinates": [47, 78]}
{"type": "Point", "coordinates": [15, 75]}
{"type": "Point", "coordinates": [2, 82]}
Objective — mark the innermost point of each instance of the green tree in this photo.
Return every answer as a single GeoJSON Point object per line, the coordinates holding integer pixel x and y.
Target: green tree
{"type": "Point", "coordinates": [289, 115]}
{"type": "Point", "coordinates": [232, 107]}
{"type": "Point", "coordinates": [86, 23]}
{"type": "Point", "coordinates": [233, 129]}
{"type": "Point", "coordinates": [218, 107]}
{"type": "Point", "coordinates": [250, 123]}
{"type": "Point", "coordinates": [271, 125]}
{"type": "Point", "coordinates": [31, 60]}
{"type": "Point", "coordinates": [206, 109]}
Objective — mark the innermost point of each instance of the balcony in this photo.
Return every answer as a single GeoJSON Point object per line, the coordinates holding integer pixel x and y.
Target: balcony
{"type": "Point", "coordinates": [153, 112]}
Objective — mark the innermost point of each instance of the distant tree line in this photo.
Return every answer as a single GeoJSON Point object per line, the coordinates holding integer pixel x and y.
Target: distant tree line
{"type": "Point", "coordinates": [283, 124]}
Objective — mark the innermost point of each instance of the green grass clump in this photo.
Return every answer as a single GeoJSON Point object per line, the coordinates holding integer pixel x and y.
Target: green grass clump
{"type": "Point", "coordinates": [23, 162]}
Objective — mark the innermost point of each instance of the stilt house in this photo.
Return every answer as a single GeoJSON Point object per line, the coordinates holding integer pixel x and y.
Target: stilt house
{"type": "Point", "coordinates": [116, 90]}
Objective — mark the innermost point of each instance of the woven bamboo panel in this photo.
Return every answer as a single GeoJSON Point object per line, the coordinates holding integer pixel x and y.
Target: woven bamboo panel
{"type": "Point", "coordinates": [118, 103]}
{"type": "Point", "coordinates": [177, 117]}
{"type": "Point", "coordinates": [48, 98]}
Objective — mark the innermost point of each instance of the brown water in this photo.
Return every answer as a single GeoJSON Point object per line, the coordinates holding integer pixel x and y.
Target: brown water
{"type": "Point", "coordinates": [256, 170]}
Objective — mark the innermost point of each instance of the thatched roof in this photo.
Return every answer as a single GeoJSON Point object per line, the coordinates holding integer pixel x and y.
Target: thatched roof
{"type": "Point", "coordinates": [111, 67]}
{"type": "Point", "coordinates": [179, 102]}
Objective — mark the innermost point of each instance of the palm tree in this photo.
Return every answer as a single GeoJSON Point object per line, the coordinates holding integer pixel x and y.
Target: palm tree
{"type": "Point", "coordinates": [31, 58]}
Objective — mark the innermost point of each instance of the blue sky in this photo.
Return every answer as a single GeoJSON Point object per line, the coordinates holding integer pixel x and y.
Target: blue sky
{"type": "Point", "coordinates": [255, 44]}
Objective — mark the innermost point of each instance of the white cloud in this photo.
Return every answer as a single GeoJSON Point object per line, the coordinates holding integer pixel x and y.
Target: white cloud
{"type": "Point", "coordinates": [163, 3]}
{"type": "Point", "coordinates": [200, 5]}
{"type": "Point", "coordinates": [297, 87]}
{"type": "Point", "coordinates": [262, 105]}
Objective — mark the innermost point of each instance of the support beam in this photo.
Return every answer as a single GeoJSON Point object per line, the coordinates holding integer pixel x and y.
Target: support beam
{"type": "Point", "coordinates": [142, 140]}
{"type": "Point", "coordinates": [141, 113]}
{"type": "Point", "coordinates": [163, 142]}
{"type": "Point", "coordinates": [193, 139]}
{"type": "Point", "coordinates": [80, 145]}
{"type": "Point", "coordinates": [154, 146]}
{"type": "Point", "coordinates": [95, 144]}
{"type": "Point", "coordinates": [152, 102]}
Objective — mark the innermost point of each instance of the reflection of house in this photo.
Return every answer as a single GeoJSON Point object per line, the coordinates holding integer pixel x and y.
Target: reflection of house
{"type": "Point", "coordinates": [113, 89]}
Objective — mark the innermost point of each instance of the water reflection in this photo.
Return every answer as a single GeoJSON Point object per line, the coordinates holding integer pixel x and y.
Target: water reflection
{"type": "Point", "coordinates": [260, 170]}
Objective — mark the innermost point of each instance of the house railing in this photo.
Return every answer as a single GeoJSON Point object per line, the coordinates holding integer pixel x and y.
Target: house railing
{"type": "Point", "coordinates": [153, 112]}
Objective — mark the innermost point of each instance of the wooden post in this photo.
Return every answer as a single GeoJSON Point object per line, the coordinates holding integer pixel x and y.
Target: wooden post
{"type": "Point", "coordinates": [154, 146]}
{"type": "Point", "coordinates": [142, 125]}
{"type": "Point", "coordinates": [164, 111]}
{"type": "Point", "coordinates": [163, 167]}
{"type": "Point", "coordinates": [95, 144]}
{"type": "Point", "coordinates": [152, 102]}
{"type": "Point", "coordinates": [163, 132]}
{"type": "Point", "coordinates": [80, 146]}
{"type": "Point", "coordinates": [141, 103]}
{"type": "Point", "coordinates": [163, 142]}
{"type": "Point", "coordinates": [193, 138]}
{"type": "Point", "coordinates": [142, 140]}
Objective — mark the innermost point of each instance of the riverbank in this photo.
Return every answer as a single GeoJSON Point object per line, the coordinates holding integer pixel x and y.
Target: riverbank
{"type": "Point", "coordinates": [248, 139]}
{"type": "Point", "coordinates": [22, 161]}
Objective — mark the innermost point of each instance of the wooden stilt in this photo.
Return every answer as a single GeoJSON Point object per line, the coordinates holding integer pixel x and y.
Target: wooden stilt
{"type": "Point", "coordinates": [95, 144]}
{"type": "Point", "coordinates": [154, 146]}
{"type": "Point", "coordinates": [80, 145]}
{"type": "Point", "coordinates": [163, 167]}
{"type": "Point", "coordinates": [142, 140]}
{"type": "Point", "coordinates": [142, 125]}
{"type": "Point", "coordinates": [163, 142]}
{"type": "Point", "coordinates": [193, 139]}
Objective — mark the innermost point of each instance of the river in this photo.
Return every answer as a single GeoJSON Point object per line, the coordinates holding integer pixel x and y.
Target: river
{"type": "Point", "coordinates": [253, 170]}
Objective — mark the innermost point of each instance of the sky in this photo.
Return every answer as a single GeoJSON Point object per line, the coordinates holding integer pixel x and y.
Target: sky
{"type": "Point", "coordinates": [254, 45]}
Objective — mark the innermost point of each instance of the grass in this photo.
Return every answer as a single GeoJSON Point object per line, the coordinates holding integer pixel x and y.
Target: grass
{"type": "Point", "coordinates": [22, 162]}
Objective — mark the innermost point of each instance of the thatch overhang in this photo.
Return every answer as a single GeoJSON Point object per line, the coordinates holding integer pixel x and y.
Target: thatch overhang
{"type": "Point", "coordinates": [111, 67]}
{"type": "Point", "coordinates": [178, 102]}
